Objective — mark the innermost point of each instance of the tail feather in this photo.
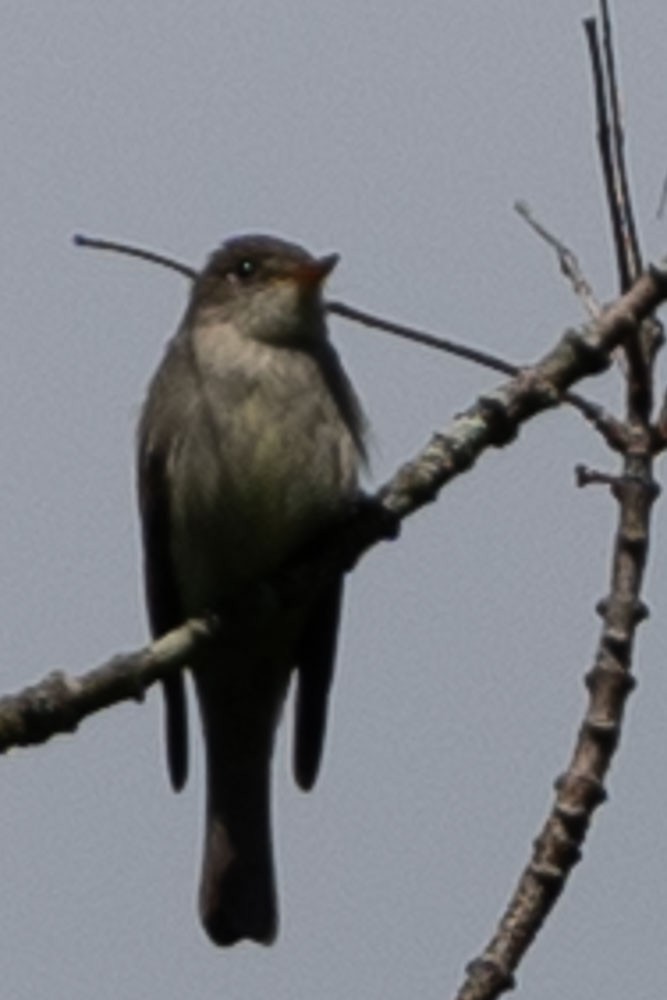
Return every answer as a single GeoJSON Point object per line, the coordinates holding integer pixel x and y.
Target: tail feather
{"type": "Point", "coordinates": [176, 729]}
{"type": "Point", "coordinates": [239, 704]}
{"type": "Point", "coordinates": [237, 896]}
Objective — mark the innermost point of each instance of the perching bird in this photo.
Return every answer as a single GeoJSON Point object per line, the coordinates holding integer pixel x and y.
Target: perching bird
{"type": "Point", "coordinates": [250, 444]}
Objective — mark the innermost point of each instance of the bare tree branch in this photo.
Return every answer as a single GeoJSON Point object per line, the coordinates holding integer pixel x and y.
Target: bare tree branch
{"type": "Point", "coordinates": [569, 264]}
{"type": "Point", "coordinates": [533, 390]}
{"type": "Point", "coordinates": [581, 788]}
{"type": "Point", "coordinates": [59, 703]}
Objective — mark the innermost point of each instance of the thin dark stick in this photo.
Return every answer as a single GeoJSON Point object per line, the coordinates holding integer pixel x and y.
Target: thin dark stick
{"type": "Point", "coordinates": [337, 308]}
{"type": "Point", "coordinates": [568, 261]}
{"type": "Point", "coordinates": [609, 170]}
{"type": "Point", "coordinates": [132, 251]}
{"type": "Point", "coordinates": [632, 252]}
{"type": "Point", "coordinates": [592, 412]}
{"type": "Point", "coordinates": [618, 202]}
{"type": "Point", "coordinates": [422, 337]}
{"type": "Point", "coordinates": [662, 203]}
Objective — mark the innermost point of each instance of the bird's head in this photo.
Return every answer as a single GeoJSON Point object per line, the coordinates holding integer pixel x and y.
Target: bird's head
{"type": "Point", "coordinates": [269, 288]}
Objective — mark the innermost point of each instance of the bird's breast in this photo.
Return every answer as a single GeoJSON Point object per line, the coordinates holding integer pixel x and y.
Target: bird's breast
{"type": "Point", "coordinates": [262, 463]}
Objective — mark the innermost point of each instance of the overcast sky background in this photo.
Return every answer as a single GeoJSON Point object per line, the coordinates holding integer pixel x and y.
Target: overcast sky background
{"type": "Point", "coordinates": [399, 135]}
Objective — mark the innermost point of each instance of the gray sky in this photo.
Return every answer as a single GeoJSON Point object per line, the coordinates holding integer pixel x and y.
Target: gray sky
{"type": "Point", "coordinates": [399, 135]}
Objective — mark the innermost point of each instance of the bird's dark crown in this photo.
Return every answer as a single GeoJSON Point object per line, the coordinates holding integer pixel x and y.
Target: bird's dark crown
{"type": "Point", "coordinates": [245, 264]}
{"type": "Point", "coordinates": [255, 257]}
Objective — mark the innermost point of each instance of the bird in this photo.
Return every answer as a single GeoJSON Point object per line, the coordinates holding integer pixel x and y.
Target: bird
{"type": "Point", "coordinates": [250, 446]}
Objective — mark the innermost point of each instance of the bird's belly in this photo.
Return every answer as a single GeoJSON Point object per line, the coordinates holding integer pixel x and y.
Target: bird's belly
{"type": "Point", "coordinates": [245, 512]}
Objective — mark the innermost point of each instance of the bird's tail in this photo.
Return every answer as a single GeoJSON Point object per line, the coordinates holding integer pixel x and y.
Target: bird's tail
{"type": "Point", "coordinates": [237, 895]}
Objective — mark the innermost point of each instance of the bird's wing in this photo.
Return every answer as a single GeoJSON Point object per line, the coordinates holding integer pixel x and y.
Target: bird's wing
{"type": "Point", "coordinates": [164, 610]}
{"type": "Point", "coordinates": [316, 655]}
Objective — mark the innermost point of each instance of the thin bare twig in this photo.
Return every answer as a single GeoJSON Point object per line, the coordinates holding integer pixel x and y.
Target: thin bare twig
{"type": "Point", "coordinates": [612, 159]}
{"type": "Point", "coordinates": [438, 343]}
{"type": "Point", "coordinates": [335, 308]}
{"type": "Point", "coordinates": [631, 251]}
{"type": "Point", "coordinates": [592, 412]}
{"type": "Point", "coordinates": [569, 264]}
{"type": "Point", "coordinates": [662, 201]}
{"type": "Point", "coordinates": [585, 476]}
{"type": "Point", "coordinates": [607, 158]}
{"type": "Point", "coordinates": [131, 251]}
{"type": "Point", "coordinates": [570, 267]}
{"type": "Point", "coordinates": [596, 415]}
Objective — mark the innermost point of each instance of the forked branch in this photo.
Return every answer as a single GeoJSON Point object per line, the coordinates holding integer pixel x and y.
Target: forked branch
{"type": "Point", "coordinates": [59, 703]}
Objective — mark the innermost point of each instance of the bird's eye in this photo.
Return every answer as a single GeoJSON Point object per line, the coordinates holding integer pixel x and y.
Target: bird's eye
{"type": "Point", "coordinates": [244, 269]}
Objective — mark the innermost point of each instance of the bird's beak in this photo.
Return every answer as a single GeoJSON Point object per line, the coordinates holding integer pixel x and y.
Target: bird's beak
{"type": "Point", "coordinates": [312, 274]}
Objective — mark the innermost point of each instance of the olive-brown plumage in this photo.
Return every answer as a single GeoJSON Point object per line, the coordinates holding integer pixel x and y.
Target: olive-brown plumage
{"type": "Point", "coordinates": [250, 443]}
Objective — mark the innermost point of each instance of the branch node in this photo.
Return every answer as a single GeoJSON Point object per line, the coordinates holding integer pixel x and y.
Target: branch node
{"type": "Point", "coordinates": [603, 730]}
{"type": "Point", "coordinates": [493, 974]}
{"type": "Point", "coordinates": [546, 873]}
{"type": "Point", "coordinates": [502, 429]}
{"type": "Point", "coordinates": [616, 641]}
{"type": "Point", "coordinates": [585, 476]}
{"type": "Point", "coordinates": [659, 274]}
{"type": "Point", "coordinates": [613, 675]}
{"type": "Point", "coordinates": [581, 785]}
{"type": "Point", "coordinates": [574, 817]}
{"type": "Point", "coordinates": [590, 358]}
